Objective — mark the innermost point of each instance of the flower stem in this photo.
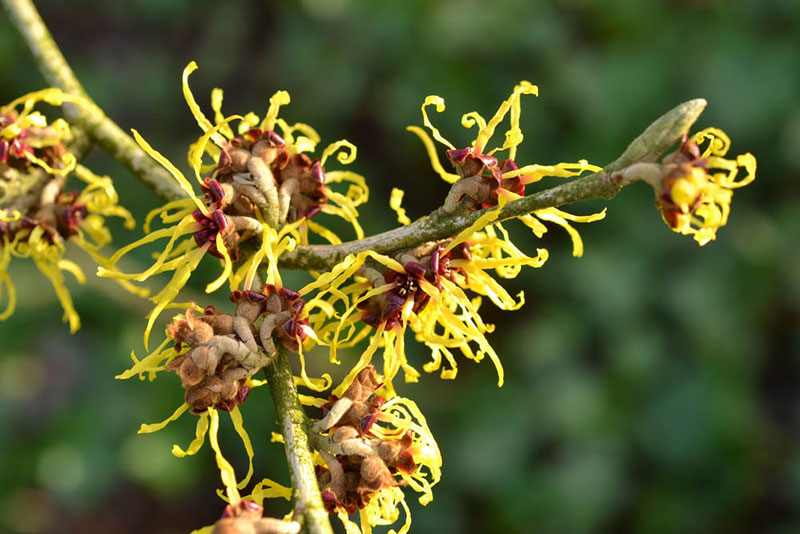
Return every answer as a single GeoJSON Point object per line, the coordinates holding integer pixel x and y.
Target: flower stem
{"type": "Point", "coordinates": [294, 428]}
{"type": "Point", "coordinates": [91, 119]}
{"type": "Point", "coordinates": [662, 134]}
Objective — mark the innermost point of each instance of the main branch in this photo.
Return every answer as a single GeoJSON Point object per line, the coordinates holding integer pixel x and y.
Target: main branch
{"type": "Point", "coordinates": [659, 137]}
{"type": "Point", "coordinates": [293, 423]}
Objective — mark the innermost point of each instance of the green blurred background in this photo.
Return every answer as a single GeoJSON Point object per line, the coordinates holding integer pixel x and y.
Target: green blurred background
{"type": "Point", "coordinates": [651, 386]}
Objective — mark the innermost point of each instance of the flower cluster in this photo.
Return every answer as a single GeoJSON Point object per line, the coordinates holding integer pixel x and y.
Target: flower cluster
{"type": "Point", "coordinates": [262, 193]}
{"type": "Point", "coordinates": [696, 188]}
{"type": "Point", "coordinates": [37, 222]}
{"type": "Point", "coordinates": [225, 349]}
{"type": "Point", "coordinates": [481, 182]}
{"type": "Point", "coordinates": [28, 140]}
{"type": "Point", "coordinates": [261, 185]}
{"type": "Point", "coordinates": [370, 449]}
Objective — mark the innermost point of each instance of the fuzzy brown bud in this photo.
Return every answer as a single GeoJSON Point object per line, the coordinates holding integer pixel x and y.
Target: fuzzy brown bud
{"type": "Point", "coordinates": [266, 150]}
{"type": "Point", "coordinates": [249, 310]}
{"type": "Point", "coordinates": [190, 330]}
{"type": "Point", "coordinates": [364, 385]}
{"type": "Point", "coordinates": [239, 159]}
{"type": "Point", "coordinates": [374, 475]}
{"type": "Point", "coordinates": [344, 433]}
{"type": "Point", "coordinates": [190, 373]}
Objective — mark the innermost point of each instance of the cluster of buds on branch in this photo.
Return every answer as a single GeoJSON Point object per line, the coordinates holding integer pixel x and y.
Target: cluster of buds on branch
{"type": "Point", "coordinates": [369, 452]}
{"type": "Point", "coordinates": [259, 185]}
{"type": "Point", "coordinates": [225, 349]}
{"type": "Point", "coordinates": [37, 215]}
{"type": "Point", "coordinates": [357, 465]}
{"type": "Point", "coordinates": [257, 189]}
{"type": "Point", "coordinates": [25, 143]}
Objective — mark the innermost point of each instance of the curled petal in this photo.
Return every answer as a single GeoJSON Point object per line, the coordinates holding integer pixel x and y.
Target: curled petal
{"type": "Point", "coordinates": [439, 103]}
{"type": "Point", "coordinates": [226, 471]}
{"type": "Point", "coordinates": [200, 431]}
{"type": "Point", "coordinates": [280, 98]}
{"type": "Point", "coordinates": [468, 120]}
{"type": "Point", "coordinates": [228, 265]}
{"type": "Point", "coordinates": [183, 270]}
{"type": "Point", "coordinates": [718, 142]}
{"type": "Point", "coordinates": [430, 148]}
{"type": "Point", "coordinates": [396, 202]}
{"type": "Point", "coordinates": [524, 88]}
{"type": "Point", "coordinates": [173, 170]}
{"type": "Point", "coordinates": [155, 427]}
{"type": "Point", "coordinates": [343, 157]}
{"type": "Point", "coordinates": [201, 119]}
{"type": "Point", "coordinates": [216, 105]}
{"type": "Point", "coordinates": [199, 148]}
{"type": "Point", "coordinates": [5, 279]}
{"type": "Point", "coordinates": [152, 363]}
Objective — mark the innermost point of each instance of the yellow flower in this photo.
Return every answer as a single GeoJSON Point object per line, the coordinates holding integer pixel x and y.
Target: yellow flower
{"type": "Point", "coordinates": [426, 294]}
{"type": "Point", "coordinates": [485, 182]}
{"type": "Point", "coordinates": [697, 184]}
{"type": "Point", "coordinates": [296, 183]}
{"type": "Point", "coordinates": [260, 185]}
{"type": "Point", "coordinates": [216, 356]}
{"type": "Point", "coordinates": [28, 139]}
{"type": "Point", "coordinates": [57, 217]}
{"type": "Point", "coordinates": [209, 226]}
{"type": "Point", "coordinates": [369, 447]}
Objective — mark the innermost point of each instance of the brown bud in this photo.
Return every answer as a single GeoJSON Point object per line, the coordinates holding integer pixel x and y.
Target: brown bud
{"type": "Point", "coordinates": [204, 359]}
{"type": "Point", "coordinates": [242, 205]}
{"type": "Point", "coordinates": [266, 150]}
{"type": "Point", "coordinates": [390, 450]}
{"type": "Point", "coordinates": [200, 397]}
{"type": "Point", "coordinates": [343, 434]}
{"type": "Point", "coordinates": [190, 330]}
{"type": "Point", "coordinates": [221, 323]}
{"type": "Point", "coordinates": [191, 374]}
{"type": "Point", "coordinates": [239, 158]}
{"type": "Point", "coordinates": [374, 475]}
{"type": "Point", "coordinates": [175, 363]}
{"type": "Point", "coordinates": [274, 303]}
{"type": "Point", "coordinates": [359, 414]}
{"type": "Point", "coordinates": [364, 385]}
{"type": "Point", "coordinates": [249, 310]}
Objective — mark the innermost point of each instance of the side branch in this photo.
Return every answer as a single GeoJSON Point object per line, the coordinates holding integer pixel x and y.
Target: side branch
{"type": "Point", "coordinates": [293, 423]}
{"type": "Point", "coordinates": [92, 120]}
{"type": "Point", "coordinates": [648, 146]}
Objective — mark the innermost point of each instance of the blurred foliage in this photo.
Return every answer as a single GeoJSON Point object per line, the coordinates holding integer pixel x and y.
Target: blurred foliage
{"type": "Point", "coordinates": [652, 386]}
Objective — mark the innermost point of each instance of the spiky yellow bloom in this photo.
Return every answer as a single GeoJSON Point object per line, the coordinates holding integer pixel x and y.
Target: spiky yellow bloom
{"type": "Point", "coordinates": [41, 235]}
{"type": "Point", "coordinates": [302, 186]}
{"type": "Point", "coordinates": [260, 185]}
{"type": "Point", "coordinates": [428, 295]}
{"type": "Point", "coordinates": [217, 354]}
{"type": "Point", "coordinates": [697, 185]}
{"type": "Point", "coordinates": [28, 139]}
{"type": "Point", "coordinates": [484, 181]}
{"type": "Point", "coordinates": [369, 448]}
{"type": "Point", "coordinates": [31, 149]}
